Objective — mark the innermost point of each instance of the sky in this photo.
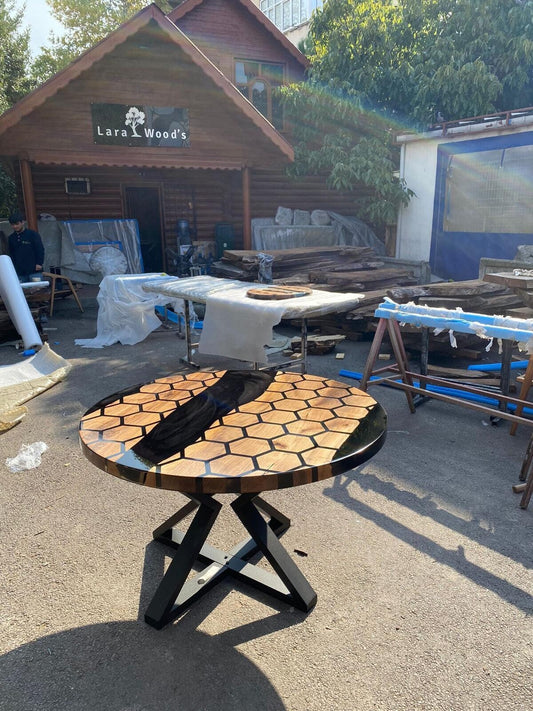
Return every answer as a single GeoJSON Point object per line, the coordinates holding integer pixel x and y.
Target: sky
{"type": "Point", "coordinates": [40, 21]}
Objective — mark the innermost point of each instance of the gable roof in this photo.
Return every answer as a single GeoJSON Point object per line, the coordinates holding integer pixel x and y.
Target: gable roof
{"type": "Point", "coordinates": [149, 14]}
{"type": "Point", "coordinates": [189, 5]}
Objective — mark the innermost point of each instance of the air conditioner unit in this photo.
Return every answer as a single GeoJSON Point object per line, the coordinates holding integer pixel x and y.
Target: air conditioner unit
{"type": "Point", "coordinates": [77, 186]}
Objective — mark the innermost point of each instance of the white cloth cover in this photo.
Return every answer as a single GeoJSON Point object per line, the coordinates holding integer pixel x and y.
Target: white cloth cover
{"type": "Point", "coordinates": [239, 327]}
{"type": "Point", "coordinates": [126, 312]}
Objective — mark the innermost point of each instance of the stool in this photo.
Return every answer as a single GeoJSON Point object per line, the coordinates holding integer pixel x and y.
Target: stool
{"type": "Point", "coordinates": [70, 289]}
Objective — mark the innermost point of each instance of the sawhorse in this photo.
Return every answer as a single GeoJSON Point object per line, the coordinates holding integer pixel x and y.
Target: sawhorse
{"type": "Point", "coordinates": [391, 315]}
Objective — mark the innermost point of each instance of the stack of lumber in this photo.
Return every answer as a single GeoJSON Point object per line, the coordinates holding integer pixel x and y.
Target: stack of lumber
{"type": "Point", "coordinates": [476, 295]}
{"type": "Point", "coordinates": [521, 282]}
{"type": "Point", "coordinates": [342, 269]}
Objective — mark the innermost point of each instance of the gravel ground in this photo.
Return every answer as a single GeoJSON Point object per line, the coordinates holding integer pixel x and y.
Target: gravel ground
{"type": "Point", "coordinates": [421, 559]}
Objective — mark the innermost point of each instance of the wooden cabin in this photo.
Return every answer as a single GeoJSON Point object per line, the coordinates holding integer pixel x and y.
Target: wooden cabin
{"type": "Point", "coordinates": [157, 122]}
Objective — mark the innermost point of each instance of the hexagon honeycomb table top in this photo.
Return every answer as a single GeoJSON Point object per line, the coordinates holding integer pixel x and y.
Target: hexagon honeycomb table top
{"type": "Point", "coordinates": [233, 431]}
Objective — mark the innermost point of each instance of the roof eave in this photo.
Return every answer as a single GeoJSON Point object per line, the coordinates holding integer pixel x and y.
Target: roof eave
{"type": "Point", "coordinates": [36, 98]}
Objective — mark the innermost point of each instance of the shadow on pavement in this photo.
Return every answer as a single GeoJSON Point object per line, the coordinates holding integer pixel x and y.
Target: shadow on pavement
{"type": "Point", "coordinates": [126, 666]}
{"type": "Point", "coordinates": [426, 507]}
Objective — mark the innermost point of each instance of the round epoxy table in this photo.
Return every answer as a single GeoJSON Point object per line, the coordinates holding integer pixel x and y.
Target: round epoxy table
{"type": "Point", "coordinates": [240, 432]}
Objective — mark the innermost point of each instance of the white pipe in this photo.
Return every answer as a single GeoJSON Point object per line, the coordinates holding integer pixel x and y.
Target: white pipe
{"type": "Point", "coordinates": [16, 304]}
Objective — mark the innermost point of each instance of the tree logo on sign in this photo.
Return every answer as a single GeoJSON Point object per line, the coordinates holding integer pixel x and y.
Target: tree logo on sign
{"type": "Point", "coordinates": [134, 118]}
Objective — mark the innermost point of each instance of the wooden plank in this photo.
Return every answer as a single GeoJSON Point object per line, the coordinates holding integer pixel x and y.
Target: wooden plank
{"type": "Point", "coordinates": [511, 280]}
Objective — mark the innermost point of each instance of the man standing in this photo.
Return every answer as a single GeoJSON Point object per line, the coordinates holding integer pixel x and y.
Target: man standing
{"type": "Point", "coordinates": [25, 249]}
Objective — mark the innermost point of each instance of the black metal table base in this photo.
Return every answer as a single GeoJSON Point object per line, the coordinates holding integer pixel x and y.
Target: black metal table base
{"type": "Point", "coordinates": [176, 590]}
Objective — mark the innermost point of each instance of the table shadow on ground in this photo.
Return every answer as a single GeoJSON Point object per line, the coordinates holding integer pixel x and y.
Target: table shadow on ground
{"type": "Point", "coordinates": [453, 558]}
{"type": "Point", "coordinates": [125, 666]}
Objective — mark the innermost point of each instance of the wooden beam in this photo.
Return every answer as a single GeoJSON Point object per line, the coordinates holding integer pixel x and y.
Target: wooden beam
{"type": "Point", "coordinates": [246, 211]}
{"type": "Point", "coordinates": [27, 191]}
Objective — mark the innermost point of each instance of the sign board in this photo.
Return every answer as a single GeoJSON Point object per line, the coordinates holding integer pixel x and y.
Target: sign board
{"type": "Point", "coordinates": [128, 125]}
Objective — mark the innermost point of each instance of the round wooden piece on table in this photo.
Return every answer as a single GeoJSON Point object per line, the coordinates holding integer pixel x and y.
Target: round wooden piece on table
{"type": "Point", "coordinates": [233, 431]}
{"type": "Point", "coordinates": [276, 292]}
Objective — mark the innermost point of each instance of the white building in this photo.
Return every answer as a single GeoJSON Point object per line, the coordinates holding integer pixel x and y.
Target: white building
{"type": "Point", "coordinates": [473, 181]}
{"type": "Point", "coordinates": [290, 16]}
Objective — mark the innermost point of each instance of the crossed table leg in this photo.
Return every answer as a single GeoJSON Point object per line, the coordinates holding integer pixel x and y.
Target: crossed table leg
{"type": "Point", "coordinates": [176, 591]}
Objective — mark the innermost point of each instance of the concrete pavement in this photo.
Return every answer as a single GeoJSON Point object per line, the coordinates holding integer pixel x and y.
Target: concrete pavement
{"type": "Point", "coordinates": [421, 560]}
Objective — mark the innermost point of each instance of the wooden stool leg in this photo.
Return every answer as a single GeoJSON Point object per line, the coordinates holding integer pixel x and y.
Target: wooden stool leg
{"type": "Point", "coordinates": [526, 385]}
{"type": "Point", "coordinates": [52, 293]}
{"type": "Point", "coordinates": [373, 353]}
{"type": "Point", "coordinates": [74, 293]}
{"type": "Point", "coordinates": [528, 458]}
{"type": "Point", "coordinates": [526, 496]}
{"type": "Point", "coordinates": [398, 348]}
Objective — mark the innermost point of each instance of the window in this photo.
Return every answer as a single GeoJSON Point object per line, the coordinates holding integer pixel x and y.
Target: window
{"type": "Point", "coordinates": [286, 14]}
{"type": "Point", "coordinates": [490, 191]}
{"type": "Point", "coordinates": [483, 198]}
{"type": "Point", "coordinates": [256, 80]}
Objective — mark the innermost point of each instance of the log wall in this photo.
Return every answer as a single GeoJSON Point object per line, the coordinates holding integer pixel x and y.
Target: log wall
{"type": "Point", "coordinates": [204, 197]}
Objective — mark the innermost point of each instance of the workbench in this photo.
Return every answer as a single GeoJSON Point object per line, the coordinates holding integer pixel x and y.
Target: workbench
{"type": "Point", "coordinates": [237, 326]}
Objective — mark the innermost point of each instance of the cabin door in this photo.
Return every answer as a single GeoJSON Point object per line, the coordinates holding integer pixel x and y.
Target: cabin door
{"type": "Point", "coordinates": [143, 205]}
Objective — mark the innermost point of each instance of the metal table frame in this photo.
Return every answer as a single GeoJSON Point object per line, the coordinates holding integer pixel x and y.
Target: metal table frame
{"type": "Point", "coordinates": [176, 590]}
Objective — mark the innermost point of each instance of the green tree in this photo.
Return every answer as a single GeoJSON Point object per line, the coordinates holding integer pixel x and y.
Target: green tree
{"type": "Point", "coordinates": [380, 65]}
{"type": "Point", "coordinates": [333, 134]}
{"type": "Point", "coordinates": [414, 58]}
{"type": "Point", "coordinates": [14, 55]}
{"type": "Point", "coordinates": [86, 22]}
{"type": "Point", "coordinates": [14, 82]}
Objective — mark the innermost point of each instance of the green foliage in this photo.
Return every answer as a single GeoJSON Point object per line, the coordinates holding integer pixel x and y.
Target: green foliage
{"type": "Point", "coordinates": [14, 56]}
{"type": "Point", "coordinates": [14, 82]}
{"type": "Point", "coordinates": [86, 22]}
{"type": "Point", "coordinates": [405, 61]}
{"type": "Point", "coordinates": [8, 193]}
{"type": "Point", "coordinates": [352, 146]}
{"type": "Point", "coordinates": [414, 58]}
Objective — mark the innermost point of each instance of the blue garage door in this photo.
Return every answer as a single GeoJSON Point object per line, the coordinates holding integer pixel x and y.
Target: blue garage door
{"type": "Point", "coordinates": [483, 203]}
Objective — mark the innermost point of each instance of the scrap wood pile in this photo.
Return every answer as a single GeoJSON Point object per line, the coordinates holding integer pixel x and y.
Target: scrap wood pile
{"type": "Point", "coordinates": [341, 269]}
{"type": "Point", "coordinates": [475, 296]}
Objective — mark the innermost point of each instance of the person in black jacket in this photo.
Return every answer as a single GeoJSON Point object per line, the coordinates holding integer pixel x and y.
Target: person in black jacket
{"type": "Point", "coordinates": [25, 249]}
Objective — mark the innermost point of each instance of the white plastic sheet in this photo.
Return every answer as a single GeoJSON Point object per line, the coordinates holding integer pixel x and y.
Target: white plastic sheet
{"type": "Point", "coordinates": [236, 325]}
{"type": "Point", "coordinates": [29, 457]}
{"type": "Point", "coordinates": [126, 312]}
{"type": "Point", "coordinates": [22, 381]}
